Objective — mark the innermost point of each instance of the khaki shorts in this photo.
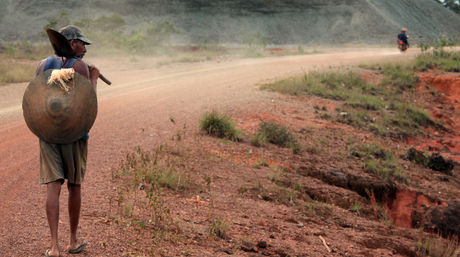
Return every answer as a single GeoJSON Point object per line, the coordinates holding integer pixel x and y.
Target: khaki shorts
{"type": "Point", "coordinates": [63, 161]}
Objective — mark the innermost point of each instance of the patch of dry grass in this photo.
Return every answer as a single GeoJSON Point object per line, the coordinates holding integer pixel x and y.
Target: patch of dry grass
{"type": "Point", "coordinates": [14, 71]}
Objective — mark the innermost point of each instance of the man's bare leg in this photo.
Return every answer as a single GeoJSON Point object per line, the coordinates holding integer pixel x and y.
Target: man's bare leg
{"type": "Point", "coordinates": [53, 191]}
{"type": "Point", "coordinates": [74, 213]}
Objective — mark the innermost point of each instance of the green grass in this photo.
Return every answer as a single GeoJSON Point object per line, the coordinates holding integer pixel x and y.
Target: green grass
{"type": "Point", "coordinates": [381, 109]}
{"type": "Point", "coordinates": [402, 77]}
{"type": "Point", "coordinates": [438, 59]}
{"type": "Point", "coordinates": [219, 125]}
{"type": "Point", "coordinates": [153, 170]}
{"type": "Point", "coordinates": [141, 181]}
{"type": "Point", "coordinates": [379, 161]}
{"type": "Point", "coordinates": [276, 134]}
{"type": "Point", "coordinates": [25, 50]}
{"type": "Point", "coordinates": [332, 85]}
{"type": "Point", "coordinates": [356, 207]}
{"type": "Point", "coordinates": [273, 193]}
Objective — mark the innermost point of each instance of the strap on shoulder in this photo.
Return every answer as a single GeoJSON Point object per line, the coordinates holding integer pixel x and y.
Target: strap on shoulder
{"type": "Point", "coordinates": [68, 63]}
{"type": "Point", "coordinates": [53, 62]}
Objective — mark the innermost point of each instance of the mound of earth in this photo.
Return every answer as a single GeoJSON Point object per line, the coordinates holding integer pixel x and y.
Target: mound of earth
{"type": "Point", "coordinates": [226, 21]}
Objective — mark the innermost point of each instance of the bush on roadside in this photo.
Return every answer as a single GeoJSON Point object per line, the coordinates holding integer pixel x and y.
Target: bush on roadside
{"type": "Point", "coordinates": [219, 125]}
{"type": "Point", "coordinates": [276, 134]}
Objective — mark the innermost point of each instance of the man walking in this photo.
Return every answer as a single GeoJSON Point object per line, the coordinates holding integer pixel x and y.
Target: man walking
{"type": "Point", "coordinates": [59, 162]}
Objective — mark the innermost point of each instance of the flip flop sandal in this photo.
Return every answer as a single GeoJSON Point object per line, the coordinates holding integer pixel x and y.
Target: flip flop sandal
{"type": "Point", "coordinates": [79, 248]}
{"type": "Point", "coordinates": [47, 253]}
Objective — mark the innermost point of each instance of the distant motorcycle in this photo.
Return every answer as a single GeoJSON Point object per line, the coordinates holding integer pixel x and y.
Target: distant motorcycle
{"type": "Point", "coordinates": [402, 46]}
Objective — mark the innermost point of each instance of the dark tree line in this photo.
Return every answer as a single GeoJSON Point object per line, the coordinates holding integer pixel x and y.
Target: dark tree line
{"type": "Point", "coordinates": [453, 5]}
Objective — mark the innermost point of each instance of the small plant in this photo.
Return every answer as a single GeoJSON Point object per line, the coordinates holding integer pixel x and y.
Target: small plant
{"type": "Point", "coordinates": [218, 125]}
{"type": "Point", "coordinates": [258, 139]}
{"type": "Point", "coordinates": [218, 228]}
{"type": "Point", "coordinates": [379, 161]}
{"type": "Point", "coordinates": [356, 207]}
{"type": "Point", "coordinates": [149, 172]}
{"type": "Point", "coordinates": [274, 193]}
{"type": "Point", "coordinates": [276, 174]}
{"type": "Point", "coordinates": [285, 196]}
{"type": "Point", "coordinates": [275, 134]}
{"type": "Point", "coordinates": [438, 247]}
{"type": "Point", "coordinates": [261, 163]}
{"type": "Point", "coordinates": [310, 207]}
{"type": "Point", "coordinates": [242, 190]}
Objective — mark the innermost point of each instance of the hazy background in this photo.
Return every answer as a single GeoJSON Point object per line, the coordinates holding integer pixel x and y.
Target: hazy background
{"type": "Point", "coordinates": [265, 22]}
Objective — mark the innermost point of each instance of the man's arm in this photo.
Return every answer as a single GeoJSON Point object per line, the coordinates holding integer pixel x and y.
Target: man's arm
{"type": "Point", "coordinates": [40, 67]}
{"type": "Point", "coordinates": [91, 73]}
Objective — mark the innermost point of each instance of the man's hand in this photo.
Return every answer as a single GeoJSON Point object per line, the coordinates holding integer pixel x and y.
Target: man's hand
{"type": "Point", "coordinates": [93, 73]}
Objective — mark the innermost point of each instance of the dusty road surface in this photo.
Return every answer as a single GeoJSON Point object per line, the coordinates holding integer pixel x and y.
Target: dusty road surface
{"type": "Point", "coordinates": [136, 110]}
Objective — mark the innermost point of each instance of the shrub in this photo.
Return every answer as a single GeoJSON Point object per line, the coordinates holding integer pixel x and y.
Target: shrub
{"type": "Point", "coordinates": [218, 228]}
{"type": "Point", "coordinates": [274, 133]}
{"type": "Point", "coordinates": [218, 125]}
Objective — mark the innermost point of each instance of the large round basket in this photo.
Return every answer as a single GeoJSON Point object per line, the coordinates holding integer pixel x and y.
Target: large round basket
{"type": "Point", "coordinates": [57, 116]}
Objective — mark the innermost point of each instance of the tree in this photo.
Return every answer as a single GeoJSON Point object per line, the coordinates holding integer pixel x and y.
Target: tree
{"type": "Point", "coordinates": [453, 5]}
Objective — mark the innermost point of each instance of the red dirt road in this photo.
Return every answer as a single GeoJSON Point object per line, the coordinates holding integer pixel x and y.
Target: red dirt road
{"type": "Point", "coordinates": [136, 110]}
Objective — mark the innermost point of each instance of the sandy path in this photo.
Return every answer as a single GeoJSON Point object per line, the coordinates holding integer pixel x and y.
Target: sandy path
{"type": "Point", "coordinates": [136, 110]}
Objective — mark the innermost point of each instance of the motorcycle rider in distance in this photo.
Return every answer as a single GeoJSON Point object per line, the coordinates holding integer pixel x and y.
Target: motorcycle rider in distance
{"type": "Point", "coordinates": [402, 40]}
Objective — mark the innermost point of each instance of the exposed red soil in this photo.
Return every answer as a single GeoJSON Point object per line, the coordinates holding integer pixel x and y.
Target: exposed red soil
{"type": "Point", "coordinates": [405, 203]}
{"type": "Point", "coordinates": [444, 107]}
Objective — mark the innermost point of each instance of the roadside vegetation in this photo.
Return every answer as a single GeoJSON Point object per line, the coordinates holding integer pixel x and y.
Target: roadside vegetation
{"type": "Point", "coordinates": [386, 108]}
{"type": "Point", "coordinates": [377, 108]}
{"type": "Point", "coordinates": [438, 59]}
{"type": "Point", "coordinates": [142, 179]}
{"type": "Point", "coordinates": [435, 56]}
{"type": "Point", "coordinates": [275, 133]}
{"type": "Point", "coordinates": [438, 247]}
{"type": "Point", "coordinates": [319, 177]}
{"type": "Point", "coordinates": [18, 61]}
{"type": "Point", "coordinates": [219, 125]}
{"type": "Point", "coordinates": [379, 161]}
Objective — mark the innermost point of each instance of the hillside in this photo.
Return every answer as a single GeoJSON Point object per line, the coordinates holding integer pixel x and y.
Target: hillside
{"type": "Point", "coordinates": [226, 21]}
